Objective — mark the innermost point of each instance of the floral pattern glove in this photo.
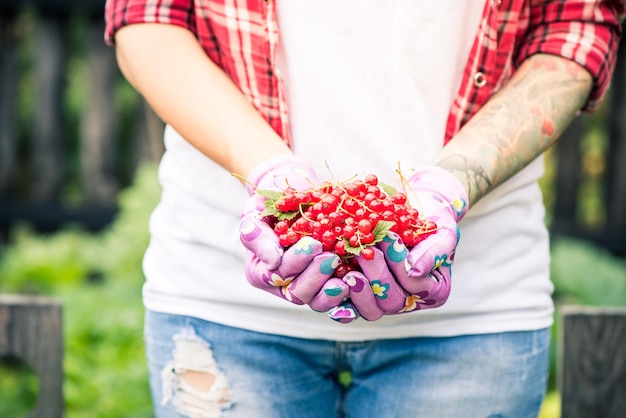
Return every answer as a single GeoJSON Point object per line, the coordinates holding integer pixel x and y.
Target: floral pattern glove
{"type": "Point", "coordinates": [397, 280]}
{"type": "Point", "coordinates": [303, 273]}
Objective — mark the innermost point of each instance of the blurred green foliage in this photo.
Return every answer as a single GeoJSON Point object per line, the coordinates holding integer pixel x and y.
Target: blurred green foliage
{"type": "Point", "coordinates": [19, 384]}
{"type": "Point", "coordinates": [99, 279]}
{"type": "Point", "coordinates": [587, 275]}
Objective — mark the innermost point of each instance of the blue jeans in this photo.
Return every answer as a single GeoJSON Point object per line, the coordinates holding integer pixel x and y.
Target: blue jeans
{"type": "Point", "coordinates": [202, 369]}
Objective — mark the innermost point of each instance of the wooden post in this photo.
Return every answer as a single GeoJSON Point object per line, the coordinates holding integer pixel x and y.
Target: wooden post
{"type": "Point", "coordinates": [592, 362]}
{"type": "Point", "coordinates": [149, 135]}
{"type": "Point", "coordinates": [8, 99]}
{"type": "Point", "coordinates": [615, 189]}
{"type": "Point", "coordinates": [99, 121]}
{"type": "Point", "coordinates": [31, 330]}
{"type": "Point", "coordinates": [568, 176]}
{"type": "Point", "coordinates": [48, 137]}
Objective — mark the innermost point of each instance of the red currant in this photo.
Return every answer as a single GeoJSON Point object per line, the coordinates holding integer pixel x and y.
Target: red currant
{"type": "Point", "coordinates": [346, 214]}
{"type": "Point", "coordinates": [371, 179]}
{"type": "Point", "coordinates": [368, 253]}
{"type": "Point", "coordinates": [364, 226]}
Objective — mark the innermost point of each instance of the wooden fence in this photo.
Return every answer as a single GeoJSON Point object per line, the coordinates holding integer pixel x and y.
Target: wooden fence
{"type": "Point", "coordinates": [592, 362]}
{"type": "Point", "coordinates": [88, 150]}
{"type": "Point", "coordinates": [31, 331]}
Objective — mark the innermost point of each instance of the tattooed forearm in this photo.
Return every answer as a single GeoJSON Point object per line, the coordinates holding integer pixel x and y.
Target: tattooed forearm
{"type": "Point", "coordinates": [469, 171]}
{"type": "Point", "coordinates": [517, 124]}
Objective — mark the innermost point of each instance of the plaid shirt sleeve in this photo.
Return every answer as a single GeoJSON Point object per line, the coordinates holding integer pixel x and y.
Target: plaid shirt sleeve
{"type": "Point", "coordinates": [119, 13]}
{"type": "Point", "coordinates": [585, 31]}
{"type": "Point", "coordinates": [240, 36]}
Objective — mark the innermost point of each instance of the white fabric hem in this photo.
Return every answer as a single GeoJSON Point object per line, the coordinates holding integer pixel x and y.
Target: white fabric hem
{"type": "Point", "coordinates": [360, 330]}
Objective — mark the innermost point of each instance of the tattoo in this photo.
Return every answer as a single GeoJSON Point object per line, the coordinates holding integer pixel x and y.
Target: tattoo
{"type": "Point", "coordinates": [468, 171]}
{"type": "Point", "coordinates": [518, 124]}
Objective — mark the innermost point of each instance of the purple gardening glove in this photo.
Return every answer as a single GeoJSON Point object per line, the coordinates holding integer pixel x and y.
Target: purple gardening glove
{"type": "Point", "coordinates": [397, 280]}
{"type": "Point", "coordinates": [302, 274]}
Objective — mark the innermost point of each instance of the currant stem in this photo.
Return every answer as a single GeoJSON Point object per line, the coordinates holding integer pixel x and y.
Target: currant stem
{"type": "Point", "coordinates": [405, 183]}
{"type": "Point", "coordinates": [243, 179]}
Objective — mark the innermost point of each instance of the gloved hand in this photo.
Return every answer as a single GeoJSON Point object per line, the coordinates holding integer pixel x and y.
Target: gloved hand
{"type": "Point", "coordinates": [397, 280]}
{"type": "Point", "coordinates": [302, 274]}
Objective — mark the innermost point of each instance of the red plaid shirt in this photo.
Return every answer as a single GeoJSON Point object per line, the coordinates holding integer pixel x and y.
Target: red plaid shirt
{"type": "Point", "coordinates": [241, 37]}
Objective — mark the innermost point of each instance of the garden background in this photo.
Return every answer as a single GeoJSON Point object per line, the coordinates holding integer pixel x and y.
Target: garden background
{"type": "Point", "coordinates": [74, 207]}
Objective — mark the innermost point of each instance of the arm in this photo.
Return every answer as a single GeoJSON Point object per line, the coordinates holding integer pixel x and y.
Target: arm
{"type": "Point", "coordinates": [167, 65]}
{"type": "Point", "coordinates": [510, 131]}
{"type": "Point", "coordinates": [518, 124]}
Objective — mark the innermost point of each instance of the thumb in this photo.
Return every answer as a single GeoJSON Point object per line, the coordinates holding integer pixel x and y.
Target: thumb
{"type": "Point", "coordinates": [260, 239]}
{"type": "Point", "coordinates": [433, 252]}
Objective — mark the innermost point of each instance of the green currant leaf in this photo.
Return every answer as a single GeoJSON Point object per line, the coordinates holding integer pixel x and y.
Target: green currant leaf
{"type": "Point", "coordinates": [271, 197]}
{"type": "Point", "coordinates": [352, 250]}
{"type": "Point", "coordinates": [270, 210]}
{"type": "Point", "coordinates": [388, 189]}
{"type": "Point", "coordinates": [380, 230]}
{"type": "Point", "coordinates": [269, 194]}
{"type": "Point", "coordinates": [286, 216]}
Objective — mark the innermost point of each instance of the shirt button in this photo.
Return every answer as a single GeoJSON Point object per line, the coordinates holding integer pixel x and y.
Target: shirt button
{"type": "Point", "coordinates": [496, 3]}
{"type": "Point", "coordinates": [480, 79]}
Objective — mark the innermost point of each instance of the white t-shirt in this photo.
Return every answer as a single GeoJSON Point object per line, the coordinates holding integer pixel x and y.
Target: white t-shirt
{"type": "Point", "coordinates": [368, 86]}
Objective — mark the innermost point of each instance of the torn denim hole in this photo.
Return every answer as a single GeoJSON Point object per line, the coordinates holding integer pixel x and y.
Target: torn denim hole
{"type": "Point", "coordinates": [192, 398]}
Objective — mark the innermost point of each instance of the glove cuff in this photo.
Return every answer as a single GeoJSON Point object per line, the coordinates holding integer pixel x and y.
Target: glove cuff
{"type": "Point", "coordinates": [280, 172]}
{"type": "Point", "coordinates": [442, 183]}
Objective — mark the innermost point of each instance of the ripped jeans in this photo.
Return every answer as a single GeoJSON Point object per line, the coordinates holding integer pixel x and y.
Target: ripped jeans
{"type": "Point", "coordinates": [202, 369]}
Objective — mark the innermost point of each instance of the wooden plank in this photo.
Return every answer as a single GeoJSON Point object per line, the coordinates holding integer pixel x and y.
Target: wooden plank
{"type": "Point", "coordinates": [569, 172]}
{"type": "Point", "coordinates": [99, 120]}
{"type": "Point", "coordinates": [31, 330]}
{"type": "Point", "coordinates": [8, 100]}
{"type": "Point", "coordinates": [49, 163]}
{"type": "Point", "coordinates": [592, 362]}
{"type": "Point", "coordinates": [615, 184]}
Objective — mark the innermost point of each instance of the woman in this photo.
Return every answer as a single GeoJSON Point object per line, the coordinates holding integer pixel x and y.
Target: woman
{"type": "Point", "coordinates": [463, 96]}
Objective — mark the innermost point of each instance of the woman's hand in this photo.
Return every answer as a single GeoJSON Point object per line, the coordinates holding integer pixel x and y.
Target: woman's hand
{"type": "Point", "coordinates": [302, 274]}
{"type": "Point", "coordinates": [397, 280]}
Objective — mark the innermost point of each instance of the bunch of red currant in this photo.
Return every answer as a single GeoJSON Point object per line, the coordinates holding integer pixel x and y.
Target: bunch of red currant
{"type": "Point", "coordinates": [347, 218]}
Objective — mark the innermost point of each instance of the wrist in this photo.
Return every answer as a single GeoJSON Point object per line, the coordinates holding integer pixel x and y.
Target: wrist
{"type": "Point", "coordinates": [279, 172]}
{"type": "Point", "coordinates": [444, 185]}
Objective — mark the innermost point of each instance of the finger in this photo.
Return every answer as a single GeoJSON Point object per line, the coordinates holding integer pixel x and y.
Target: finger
{"type": "Point", "coordinates": [396, 257]}
{"type": "Point", "coordinates": [302, 272]}
{"type": "Point", "coordinates": [440, 286]}
{"type": "Point", "coordinates": [333, 292]}
{"type": "Point", "coordinates": [260, 277]}
{"type": "Point", "coordinates": [362, 296]}
{"type": "Point", "coordinates": [310, 282]}
{"type": "Point", "coordinates": [433, 252]}
{"type": "Point", "coordinates": [255, 204]}
{"type": "Point", "coordinates": [299, 256]}
{"type": "Point", "coordinates": [260, 239]}
{"type": "Point", "coordinates": [345, 313]}
{"type": "Point", "coordinates": [389, 295]}
{"type": "Point", "coordinates": [427, 291]}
